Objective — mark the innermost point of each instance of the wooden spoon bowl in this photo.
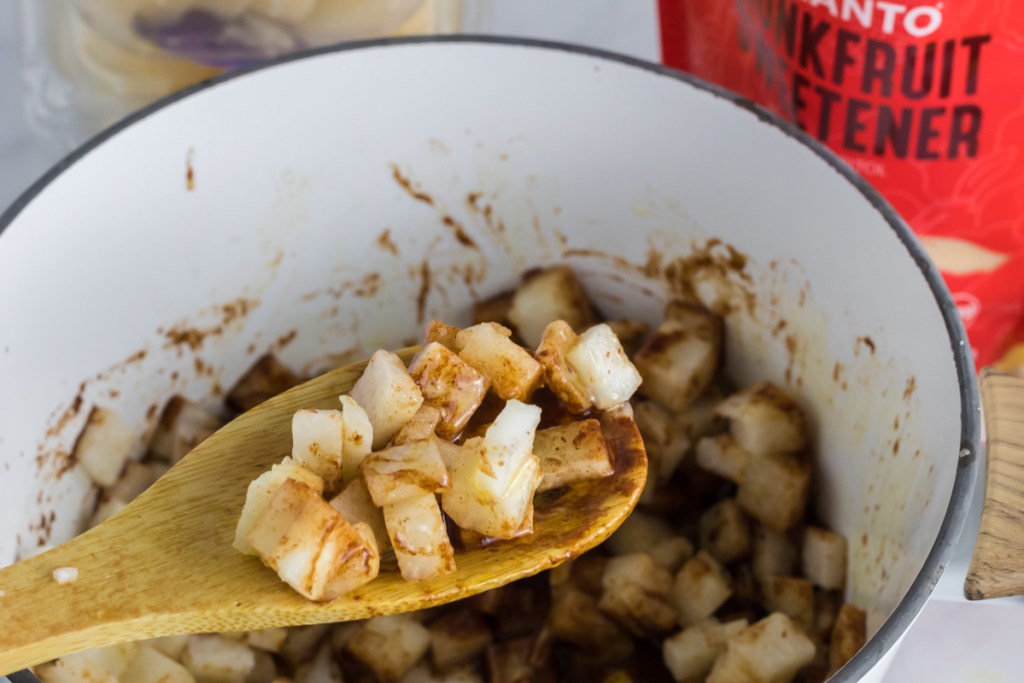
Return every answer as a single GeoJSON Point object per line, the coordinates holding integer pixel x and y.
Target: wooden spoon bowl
{"type": "Point", "coordinates": [165, 564]}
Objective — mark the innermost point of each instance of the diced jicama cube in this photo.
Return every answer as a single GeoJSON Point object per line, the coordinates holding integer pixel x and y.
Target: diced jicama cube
{"type": "Point", "coordinates": [493, 309]}
{"type": "Point", "coordinates": [405, 471]}
{"type": "Point", "coordinates": [700, 588]}
{"type": "Point", "coordinates": [458, 638]}
{"type": "Point", "coordinates": [311, 546]}
{"type": "Point", "coordinates": [151, 666]}
{"type": "Point", "coordinates": [419, 537]}
{"type": "Point", "coordinates": [545, 296]}
{"type": "Point", "coordinates": [569, 452]}
{"type": "Point", "coordinates": [183, 425]}
{"type": "Point", "coordinates": [679, 361]}
{"type": "Point", "coordinates": [506, 515]}
{"type": "Point", "coordinates": [104, 445]}
{"type": "Point", "coordinates": [700, 419]}
{"type": "Point", "coordinates": [690, 654]}
{"type": "Point", "coordinates": [264, 668]}
{"type": "Point", "coordinates": [216, 658]}
{"type": "Point", "coordinates": [172, 646]}
{"type": "Point", "coordinates": [269, 639]}
{"type": "Point", "coordinates": [260, 492]}
{"type": "Point", "coordinates": [602, 367]}
{"type": "Point", "coordinates": [388, 394]}
{"type": "Point", "coordinates": [303, 641]}
{"type": "Point", "coordinates": [764, 419]}
{"type": "Point", "coordinates": [135, 478]}
{"type": "Point", "coordinates": [265, 379]}
{"type": "Point", "coordinates": [420, 428]}
{"type": "Point", "coordinates": [559, 376]}
{"type": "Point", "coordinates": [441, 333]}
{"type": "Point", "coordinates": [665, 440]}
{"type": "Point", "coordinates": [848, 635]}
{"type": "Point", "coordinates": [510, 660]}
{"type": "Point", "coordinates": [358, 437]}
{"type": "Point", "coordinates": [773, 489]}
{"type": "Point", "coordinates": [724, 532]}
{"type": "Point", "coordinates": [631, 333]}
{"type": "Point", "coordinates": [65, 575]}
{"type": "Point", "coordinates": [316, 443]}
{"type": "Point", "coordinates": [511, 370]}
{"type": "Point", "coordinates": [770, 651]}
{"type": "Point", "coordinates": [575, 618]}
{"type": "Point", "coordinates": [322, 669]}
{"type": "Point", "coordinates": [824, 558]}
{"type": "Point", "coordinates": [355, 505]}
{"type": "Point", "coordinates": [105, 509]}
{"type": "Point", "coordinates": [774, 554]}
{"type": "Point", "coordinates": [826, 610]}
{"type": "Point", "coordinates": [791, 595]}
{"type": "Point", "coordinates": [448, 451]}
{"type": "Point", "coordinates": [507, 446]}
{"type": "Point", "coordinates": [390, 646]}
{"type": "Point", "coordinates": [103, 665]}
{"type": "Point", "coordinates": [449, 384]}
{"type": "Point", "coordinates": [635, 591]}
{"type": "Point", "coordinates": [645, 533]}
{"type": "Point", "coordinates": [722, 456]}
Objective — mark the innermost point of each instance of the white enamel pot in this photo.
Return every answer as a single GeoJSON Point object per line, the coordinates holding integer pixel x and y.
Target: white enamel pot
{"type": "Point", "coordinates": [330, 203]}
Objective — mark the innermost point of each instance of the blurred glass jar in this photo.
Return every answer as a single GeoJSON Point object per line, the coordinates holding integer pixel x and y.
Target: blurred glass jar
{"type": "Point", "coordinates": [88, 63]}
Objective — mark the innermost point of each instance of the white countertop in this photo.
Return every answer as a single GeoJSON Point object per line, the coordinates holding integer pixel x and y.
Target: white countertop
{"type": "Point", "coordinates": [951, 641]}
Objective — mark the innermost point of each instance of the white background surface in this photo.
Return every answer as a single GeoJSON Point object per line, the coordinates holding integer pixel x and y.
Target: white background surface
{"type": "Point", "coordinates": [952, 641]}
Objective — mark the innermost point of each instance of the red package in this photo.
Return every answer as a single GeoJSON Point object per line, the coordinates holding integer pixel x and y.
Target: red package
{"type": "Point", "coordinates": [924, 99]}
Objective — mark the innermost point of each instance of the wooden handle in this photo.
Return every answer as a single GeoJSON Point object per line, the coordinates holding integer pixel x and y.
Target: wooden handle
{"type": "Point", "coordinates": [997, 567]}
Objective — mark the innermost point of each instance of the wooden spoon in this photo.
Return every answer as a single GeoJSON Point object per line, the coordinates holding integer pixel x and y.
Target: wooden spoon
{"type": "Point", "coordinates": [165, 565]}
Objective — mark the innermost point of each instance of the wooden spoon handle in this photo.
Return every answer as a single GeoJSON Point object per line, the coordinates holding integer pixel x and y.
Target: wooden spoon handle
{"type": "Point", "coordinates": [997, 567]}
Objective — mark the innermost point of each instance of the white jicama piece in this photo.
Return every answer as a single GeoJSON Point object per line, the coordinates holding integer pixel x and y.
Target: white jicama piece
{"type": "Point", "coordinates": [316, 443]}
{"type": "Point", "coordinates": [507, 446]}
{"type": "Point", "coordinates": [700, 588]}
{"type": "Point", "coordinates": [152, 666]}
{"type": "Point", "coordinates": [216, 658]}
{"type": "Point", "coordinates": [65, 575]}
{"type": "Point", "coordinates": [602, 367]}
{"type": "Point", "coordinates": [724, 532]}
{"type": "Point", "coordinates": [419, 537]}
{"type": "Point", "coordinates": [450, 384]}
{"type": "Point", "coordinates": [774, 489]}
{"type": "Point", "coordinates": [311, 546]}
{"type": "Point", "coordinates": [559, 375]}
{"type": "Point", "coordinates": [824, 558]}
{"type": "Point", "coordinates": [355, 504]}
{"type": "Point", "coordinates": [390, 645]}
{"type": "Point", "coordinates": [103, 665]}
{"type": "Point", "coordinates": [104, 446]}
{"type": "Point", "coordinates": [511, 370]}
{"type": "Point", "coordinates": [457, 638]}
{"type": "Point", "coordinates": [691, 653]}
{"type": "Point", "coordinates": [545, 296]}
{"type": "Point", "coordinates": [135, 478]}
{"type": "Point", "coordinates": [358, 437]}
{"type": "Point", "coordinates": [322, 669]}
{"type": "Point", "coordinates": [262, 489]}
{"type": "Point", "coordinates": [764, 419]}
{"type": "Point", "coordinates": [635, 591]}
{"type": "Point", "coordinates": [268, 639]}
{"type": "Point", "coordinates": [183, 425]}
{"type": "Point", "coordinates": [791, 595]}
{"type": "Point", "coordinates": [172, 646]}
{"type": "Point", "coordinates": [421, 427]}
{"type": "Point", "coordinates": [772, 650]}
{"type": "Point", "coordinates": [665, 440]}
{"type": "Point", "coordinates": [721, 455]}
{"type": "Point", "coordinates": [388, 394]}
{"type": "Point", "coordinates": [646, 533]}
{"type": "Point", "coordinates": [405, 471]}
{"type": "Point", "coordinates": [570, 452]}
{"type": "Point", "coordinates": [107, 508]}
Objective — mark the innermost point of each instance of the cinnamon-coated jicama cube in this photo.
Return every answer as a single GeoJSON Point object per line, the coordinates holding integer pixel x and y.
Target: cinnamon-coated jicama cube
{"type": "Point", "coordinates": [216, 658]}
{"type": "Point", "coordinates": [355, 504]}
{"type": "Point", "coordinates": [824, 558]}
{"type": "Point", "coordinates": [724, 532]}
{"type": "Point", "coordinates": [570, 452]}
{"type": "Point", "coordinates": [358, 438]}
{"type": "Point", "coordinates": [774, 553]}
{"type": "Point", "coordinates": [323, 668]}
{"type": "Point", "coordinates": [405, 471]}
{"type": "Point", "coordinates": [665, 440]}
{"type": "Point", "coordinates": [764, 419]}
{"type": "Point", "coordinates": [602, 367]}
{"type": "Point", "coordinates": [450, 384]}
{"type": "Point", "coordinates": [268, 639]}
{"type": "Point", "coordinates": [690, 654]}
{"type": "Point", "coordinates": [390, 646]}
{"type": "Point", "coordinates": [641, 532]}
{"type": "Point", "coordinates": [457, 638]}
{"type": "Point", "coordinates": [774, 649]}
{"type": "Point", "coordinates": [311, 546]}
{"type": "Point", "coordinates": [267, 378]}
{"type": "Point", "coordinates": [773, 489]}
{"type": "Point", "coordinates": [261, 490]}
{"type": "Point", "coordinates": [183, 425]}
{"type": "Point", "coordinates": [152, 666]}
{"type": "Point", "coordinates": [507, 445]}
{"type": "Point", "coordinates": [791, 595]}
{"type": "Point", "coordinates": [441, 333]}
{"type": "Point", "coordinates": [388, 394]}
{"type": "Point", "coordinates": [317, 437]}
{"type": "Point", "coordinates": [172, 646]}
{"type": "Point", "coordinates": [104, 445]}
{"type": "Point", "coordinates": [98, 664]}
{"type": "Point", "coordinates": [721, 455]}
{"type": "Point", "coordinates": [135, 478]}
{"type": "Point", "coordinates": [303, 642]}
{"type": "Point", "coordinates": [700, 588]}
{"type": "Point", "coordinates": [421, 427]}
{"type": "Point", "coordinates": [635, 594]}
{"type": "Point", "coordinates": [680, 359]}
{"type": "Point", "coordinates": [848, 635]}
{"type": "Point", "coordinates": [575, 618]}
{"type": "Point", "coordinates": [546, 295]}
{"type": "Point", "coordinates": [419, 537]}
{"type": "Point", "coordinates": [511, 370]}
{"type": "Point", "coordinates": [559, 376]}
